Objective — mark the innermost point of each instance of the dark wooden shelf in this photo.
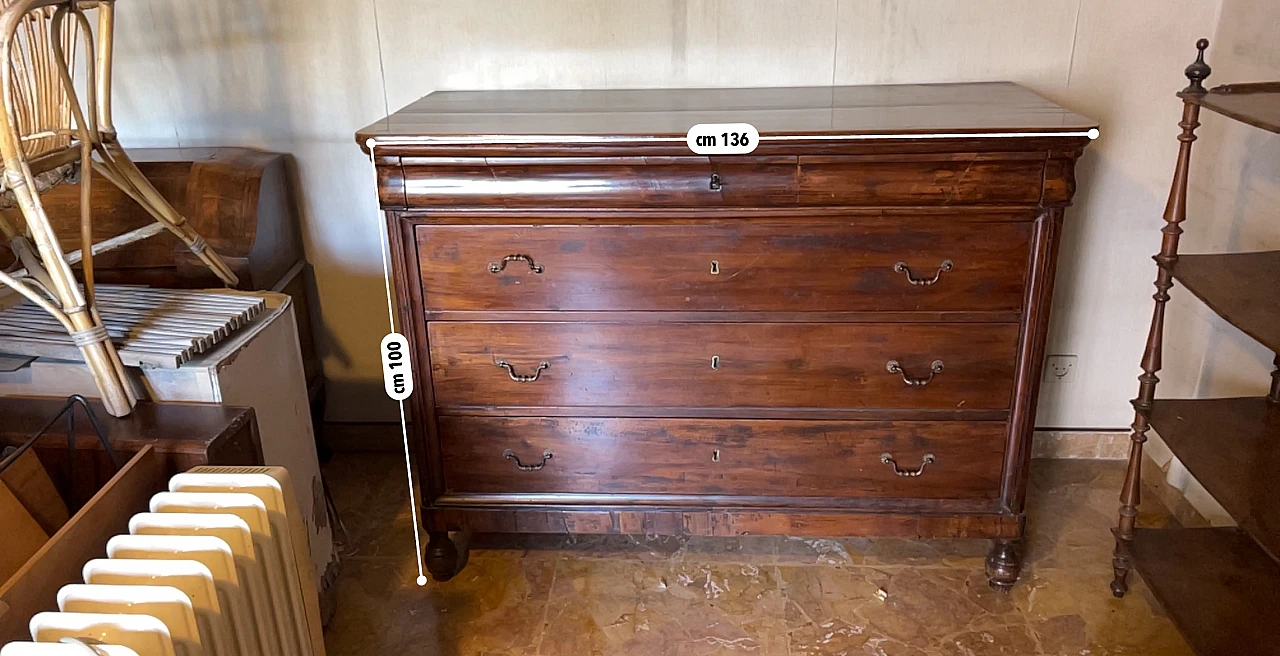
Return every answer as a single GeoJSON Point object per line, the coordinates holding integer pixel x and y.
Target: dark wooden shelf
{"type": "Point", "coordinates": [1219, 588]}
{"type": "Point", "coordinates": [1256, 103]}
{"type": "Point", "coordinates": [1232, 446]}
{"type": "Point", "coordinates": [1243, 288]}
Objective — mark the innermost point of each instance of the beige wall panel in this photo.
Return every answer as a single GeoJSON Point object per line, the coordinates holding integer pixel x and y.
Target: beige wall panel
{"type": "Point", "coordinates": [905, 41]}
{"type": "Point", "coordinates": [302, 75]}
{"type": "Point", "coordinates": [1127, 65]}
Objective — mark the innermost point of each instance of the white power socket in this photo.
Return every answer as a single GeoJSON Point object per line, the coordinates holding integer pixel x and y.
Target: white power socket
{"type": "Point", "coordinates": [1060, 369]}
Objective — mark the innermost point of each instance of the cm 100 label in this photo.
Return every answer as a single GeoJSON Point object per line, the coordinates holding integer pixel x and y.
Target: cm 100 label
{"type": "Point", "coordinates": [397, 375]}
{"type": "Point", "coordinates": [723, 138]}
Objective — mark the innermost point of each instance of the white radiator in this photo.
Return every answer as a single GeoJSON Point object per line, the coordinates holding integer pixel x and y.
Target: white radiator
{"type": "Point", "coordinates": [221, 566]}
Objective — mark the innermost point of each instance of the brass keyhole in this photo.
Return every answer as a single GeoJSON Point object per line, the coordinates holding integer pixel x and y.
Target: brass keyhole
{"type": "Point", "coordinates": [715, 362]}
{"type": "Point", "coordinates": [715, 455]}
{"type": "Point", "coordinates": [715, 267]}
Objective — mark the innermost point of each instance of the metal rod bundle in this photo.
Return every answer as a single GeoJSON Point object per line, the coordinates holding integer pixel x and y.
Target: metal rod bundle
{"type": "Point", "coordinates": [49, 137]}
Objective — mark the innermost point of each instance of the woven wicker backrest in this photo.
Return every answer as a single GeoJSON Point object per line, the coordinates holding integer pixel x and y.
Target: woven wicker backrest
{"type": "Point", "coordinates": [43, 109]}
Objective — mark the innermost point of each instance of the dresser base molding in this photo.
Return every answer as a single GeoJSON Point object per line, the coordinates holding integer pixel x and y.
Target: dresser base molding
{"type": "Point", "coordinates": [722, 522]}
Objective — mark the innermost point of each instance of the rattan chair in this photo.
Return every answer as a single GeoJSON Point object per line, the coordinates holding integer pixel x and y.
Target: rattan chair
{"type": "Point", "coordinates": [47, 137]}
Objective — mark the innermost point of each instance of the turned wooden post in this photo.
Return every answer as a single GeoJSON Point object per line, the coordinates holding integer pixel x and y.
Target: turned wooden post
{"type": "Point", "coordinates": [1175, 212]}
{"type": "Point", "coordinates": [1273, 396]}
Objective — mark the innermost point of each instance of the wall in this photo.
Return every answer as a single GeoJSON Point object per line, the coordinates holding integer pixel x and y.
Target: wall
{"type": "Point", "coordinates": [302, 75]}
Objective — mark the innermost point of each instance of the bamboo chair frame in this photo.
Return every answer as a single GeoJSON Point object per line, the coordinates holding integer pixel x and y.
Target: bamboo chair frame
{"type": "Point", "coordinates": [45, 132]}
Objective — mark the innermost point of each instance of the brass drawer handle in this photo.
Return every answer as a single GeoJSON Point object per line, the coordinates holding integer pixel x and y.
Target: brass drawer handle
{"type": "Point", "coordinates": [523, 378]}
{"type": "Point", "coordinates": [511, 455]}
{"type": "Point", "coordinates": [887, 459]}
{"type": "Point", "coordinates": [934, 369]}
{"type": "Point", "coordinates": [901, 267]}
{"type": "Point", "coordinates": [499, 267]}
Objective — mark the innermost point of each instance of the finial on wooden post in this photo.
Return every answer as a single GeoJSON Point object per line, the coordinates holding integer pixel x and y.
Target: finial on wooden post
{"type": "Point", "coordinates": [1198, 71]}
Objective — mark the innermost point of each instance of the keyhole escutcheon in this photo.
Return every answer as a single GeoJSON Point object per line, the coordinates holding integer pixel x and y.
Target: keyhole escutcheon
{"type": "Point", "coordinates": [715, 267]}
{"type": "Point", "coordinates": [715, 362]}
{"type": "Point", "coordinates": [715, 455]}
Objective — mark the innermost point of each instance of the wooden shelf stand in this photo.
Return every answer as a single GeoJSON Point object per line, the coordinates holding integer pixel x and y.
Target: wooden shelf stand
{"type": "Point", "coordinates": [1218, 585]}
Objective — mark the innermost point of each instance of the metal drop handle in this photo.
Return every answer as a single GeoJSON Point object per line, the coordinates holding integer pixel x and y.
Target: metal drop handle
{"type": "Point", "coordinates": [511, 455]}
{"type": "Point", "coordinates": [887, 458]}
{"type": "Point", "coordinates": [935, 368]}
{"type": "Point", "coordinates": [946, 266]}
{"type": "Point", "coordinates": [523, 378]}
{"type": "Point", "coordinates": [499, 267]}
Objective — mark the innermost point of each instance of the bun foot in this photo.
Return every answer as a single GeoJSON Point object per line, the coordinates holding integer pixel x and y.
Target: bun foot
{"type": "Point", "coordinates": [444, 557]}
{"type": "Point", "coordinates": [1004, 564]}
{"type": "Point", "coordinates": [1119, 587]}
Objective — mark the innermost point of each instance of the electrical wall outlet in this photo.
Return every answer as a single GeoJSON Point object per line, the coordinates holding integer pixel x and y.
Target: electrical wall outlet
{"type": "Point", "coordinates": [1060, 369]}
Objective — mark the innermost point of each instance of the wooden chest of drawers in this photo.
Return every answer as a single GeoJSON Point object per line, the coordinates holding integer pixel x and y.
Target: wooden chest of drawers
{"type": "Point", "coordinates": [840, 333]}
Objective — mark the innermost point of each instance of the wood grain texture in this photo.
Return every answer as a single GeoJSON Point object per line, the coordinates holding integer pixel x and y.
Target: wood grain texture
{"type": "Point", "coordinates": [748, 305]}
{"type": "Point", "coordinates": [34, 588]}
{"type": "Point", "coordinates": [722, 457]}
{"type": "Point", "coordinates": [759, 365]}
{"type": "Point", "coordinates": [1031, 348]}
{"type": "Point", "coordinates": [1254, 103]}
{"type": "Point", "coordinates": [717, 522]}
{"type": "Point", "coordinates": [1216, 585]}
{"type": "Point", "coordinates": [1240, 466]}
{"type": "Point", "coordinates": [235, 197]}
{"type": "Point", "coordinates": [870, 109]}
{"type": "Point", "coordinates": [758, 266]}
{"type": "Point", "coordinates": [1239, 287]}
{"type": "Point", "coordinates": [30, 483]}
{"type": "Point", "coordinates": [944, 179]}
{"type": "Point", "coordinates": [922, 180]}
{"type": "Point", "coordinates": [183, 435]}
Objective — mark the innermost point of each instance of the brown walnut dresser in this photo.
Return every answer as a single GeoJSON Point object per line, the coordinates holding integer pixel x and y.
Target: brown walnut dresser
{"type": "Point", "coordinates": [840, 333]}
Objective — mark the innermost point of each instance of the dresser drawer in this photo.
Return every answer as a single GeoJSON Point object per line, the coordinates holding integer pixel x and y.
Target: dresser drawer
{"type": "Point", "coordinates": [960, 460]}
{"type": "Point", "coordinates": [869, 179]}
{"type": "Point", "coordinates": [776, 365]}
{"type": "Point", "coordinates": [837, 265]}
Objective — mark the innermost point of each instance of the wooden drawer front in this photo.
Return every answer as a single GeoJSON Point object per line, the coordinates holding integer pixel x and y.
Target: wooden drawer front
{"type": "Point", "coordinates": [930, 178]}
{"type": "Point", "coordinates": [830, 265]}
{"type": "Point", "coordinates": [960, 179]}
{"type": "Point", "coordinates": [777, 365]}
{"type": "Point", "coordinates": [724, 457]}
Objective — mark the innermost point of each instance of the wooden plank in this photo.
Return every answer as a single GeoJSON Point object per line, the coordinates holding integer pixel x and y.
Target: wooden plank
{"type": "Point", "coordinates": [31, 484]}
{"type": "Point", "coordinates": [1217, 586]}
{"type": "Point", "coordinates": [1232, 447]}
{"type": "Point", "coordinates": [1240, 287]}
{"type": "Point", "coordinates": [34, 587]}
{"type": "Point", "coordinates": [1255, 103]}
{"type": "Point", "coordinates": [23, 536]}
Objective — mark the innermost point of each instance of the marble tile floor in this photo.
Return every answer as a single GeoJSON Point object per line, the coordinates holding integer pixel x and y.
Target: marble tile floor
{"type": "Point", "coordinates": [561, 595]}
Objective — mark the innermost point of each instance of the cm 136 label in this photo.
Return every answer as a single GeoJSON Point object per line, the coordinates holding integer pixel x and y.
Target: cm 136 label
{"type": "Point", "coordinates": [723, 138]}
{"type": "Point", "coordinates": [397, 375]}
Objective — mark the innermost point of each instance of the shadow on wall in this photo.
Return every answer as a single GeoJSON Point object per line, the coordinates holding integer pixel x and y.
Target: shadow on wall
{"type": "Point", "coordinates": [1114, 220]}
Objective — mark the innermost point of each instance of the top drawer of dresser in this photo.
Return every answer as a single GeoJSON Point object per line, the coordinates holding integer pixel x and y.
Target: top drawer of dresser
{"type": "Point", "coordinates": [881, 180]}
{"type": "Point", "coordinates": [831, 265]}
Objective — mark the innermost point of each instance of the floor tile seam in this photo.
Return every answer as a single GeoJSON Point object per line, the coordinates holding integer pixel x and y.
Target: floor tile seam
{"type": "Point", "coordinates": [546, 607]}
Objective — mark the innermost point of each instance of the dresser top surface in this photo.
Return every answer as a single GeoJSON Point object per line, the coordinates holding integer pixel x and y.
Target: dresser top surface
{"type": "Point", "coordinates": [916, 109]}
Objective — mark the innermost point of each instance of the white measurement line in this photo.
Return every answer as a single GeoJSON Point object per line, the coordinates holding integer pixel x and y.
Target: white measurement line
{"type": "Point", "coordinates": [391, 322]}
{"type": "Point", "coordinates": [447, 140]}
